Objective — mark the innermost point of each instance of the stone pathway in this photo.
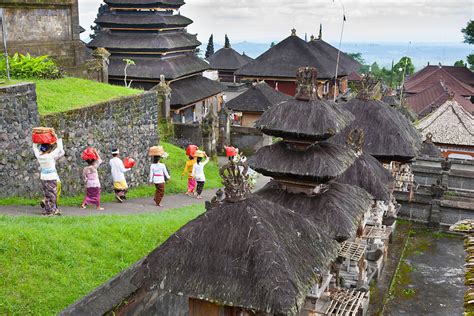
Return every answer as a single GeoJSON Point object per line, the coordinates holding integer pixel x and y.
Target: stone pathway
{"type": "Point", "coordinates": [129, 207]}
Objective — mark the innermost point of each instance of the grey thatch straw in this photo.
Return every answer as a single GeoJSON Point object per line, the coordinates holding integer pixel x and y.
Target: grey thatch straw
{"type": "Point", "coordinates": [304, 120]}
{"type": "Point", "coordinates": [318, 163]}
{"type": "Point", "coordinates": [369, 174]}
{"type": "Point", "coordinates": [266, 258]}
{"type": "Point", "coordinates": [257, 99]}
{"type": "Point", "coordinates": [388, 134]}
{"type": "Point", "coordinates": [338, 211]}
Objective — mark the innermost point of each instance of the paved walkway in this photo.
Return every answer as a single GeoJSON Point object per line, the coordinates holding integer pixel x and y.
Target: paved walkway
{"type": "Point", "coordinates": [129, 207]}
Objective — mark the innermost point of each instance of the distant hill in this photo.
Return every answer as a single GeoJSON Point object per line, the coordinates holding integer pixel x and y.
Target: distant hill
{"type": "Point", "coordinates": [382, 53]}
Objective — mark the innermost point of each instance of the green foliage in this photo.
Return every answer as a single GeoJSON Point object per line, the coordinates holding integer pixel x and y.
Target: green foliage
{"type": "Point", "coordinates": [459, 63]}
{"type": "Point", "coordinates": [272, 44]}
{"type": "Point", "coordinates": [175, 163]}
{"type": "Point", "coordinates": [470, 60]}
{"type": "Point", "coordinates": [358, 57]}
{"type": "Point", "coordinates": [27, 66]}
{"type": "Point", "coordinates": [70, 93]}
{"type": "Point", "coordinates": [468, 32]}
{"type": "Point", "coordinates": [226, 42]}
{"type": "Point", "coordinates": [210, 46]}
{"type": "Point", "coordinates": [166, 130]}
{"type": "Point", "coordinates": [48, 263]}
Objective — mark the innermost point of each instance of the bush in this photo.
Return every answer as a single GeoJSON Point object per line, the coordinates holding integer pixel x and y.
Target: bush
{"type": "Point", "coordinates": [26, 67]}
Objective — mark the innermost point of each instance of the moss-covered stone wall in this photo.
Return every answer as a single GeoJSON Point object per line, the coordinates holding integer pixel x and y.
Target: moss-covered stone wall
{"type": "Point", "coordinates": [128, 123]}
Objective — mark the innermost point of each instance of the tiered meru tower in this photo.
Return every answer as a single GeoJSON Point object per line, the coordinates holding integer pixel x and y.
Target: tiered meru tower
{"type": "Point", "coordinates": [153, 34]}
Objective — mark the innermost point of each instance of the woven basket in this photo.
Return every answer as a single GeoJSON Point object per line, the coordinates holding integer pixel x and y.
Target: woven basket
{"type": "Point", "coordinates": [156, 151]}
{"type": "Point", "coordinates": [43, 130]}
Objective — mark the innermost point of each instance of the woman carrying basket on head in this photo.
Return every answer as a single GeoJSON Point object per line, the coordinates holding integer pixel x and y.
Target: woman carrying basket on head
{"type": "Point", "coordinates": [158, 173]}
{"type": "Point", "coordinates": [91, 178]}
{"type": "Point", "coordinates": [198, 172]}
{"type": "Point", "coordinates": [48, 149]}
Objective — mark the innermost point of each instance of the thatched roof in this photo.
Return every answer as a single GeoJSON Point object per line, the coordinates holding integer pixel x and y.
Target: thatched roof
{"type": "Point", "coordinates": [227, 59]}
{"type": "Point", "coordinates": [143, 19]}
{"type": "Point", "coordinates": [428, 149]}
{"type": "Point", "coordinates": [338, 211]}
{"type": "Point", "coordinates": [318, 163]}
{"type": "Point", "coordinates": [369, 174]}
{"type": "Point", "coordinates": [281, 60]}
{"type": "Point", "coordinates": [152, 68]}
{"type": "Point", "coordinates": [259, 98]}
{"type": "Point", "coordinates": [145, 3]}
{"type": "Point", "coordinates": [304, 120]}
{"type": "Point", "coordinates": [253, 254]}
{"type": "Point", "coordinates": [144, 42]}
{"type": "Point", "coordinates": [388, 134]}
{"type": "Point", "coordinates": [193, 89]}
{"type": "Point", "coordinates": [346, 63]}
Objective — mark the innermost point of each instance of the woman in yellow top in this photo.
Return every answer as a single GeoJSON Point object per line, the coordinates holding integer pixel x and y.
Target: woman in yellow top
{"type": "Point", "coordinates": [188, 169]}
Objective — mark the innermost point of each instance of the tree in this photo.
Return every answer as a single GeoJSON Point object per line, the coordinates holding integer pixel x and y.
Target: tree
{"type": "Point", "coordinates": [468, 32]}
{"type": "Point", "coordinates": [210, 46]}
{"type": "Point", "coordinates": [96, 28]}
{"type": "Point", "coordinates": [227, 42]}
{"type": "Point", "coordinates": [357, 57]}
{"type": "Point", "coordinates": [272, 44]}
{"type": "Point", "coordinates": [128, 62]}
{"type": "Point", "coordinates": [459, 63]}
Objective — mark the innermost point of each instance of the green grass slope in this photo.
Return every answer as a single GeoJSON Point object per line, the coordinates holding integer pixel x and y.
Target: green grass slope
{"type": "Point", "coordinates": [47, 264]}
{"type": "Point", "coordinates": [70, 93]}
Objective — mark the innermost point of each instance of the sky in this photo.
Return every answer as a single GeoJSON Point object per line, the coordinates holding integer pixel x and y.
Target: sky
{"type": "Point", "coordinates": [264, 21]}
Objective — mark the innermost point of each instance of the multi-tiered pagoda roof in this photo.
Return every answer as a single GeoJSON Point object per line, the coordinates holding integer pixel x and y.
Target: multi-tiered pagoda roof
{"type": "Point", "coordinates": [154, 36]}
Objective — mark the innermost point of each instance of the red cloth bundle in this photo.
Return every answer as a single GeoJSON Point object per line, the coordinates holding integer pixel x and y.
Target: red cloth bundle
{"type": "Point", "coordinates": [129, 162]}
{"type": "Point", "coordinates": [44, 135]}
{"type": "Point", "coordinates": [230, 151]}
{"type": "Point", "coordinates": [89, 154]}
{"type": "Point", "coordinates": [191, 150]}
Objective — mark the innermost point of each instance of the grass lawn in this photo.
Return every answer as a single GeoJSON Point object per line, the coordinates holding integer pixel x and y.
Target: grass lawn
{"type": "Point", "coordinates": [47, 264]}
{"type": "Point", "coordinates": [70, 93]}
{"type": "Point", "coordinates": [175, 163]}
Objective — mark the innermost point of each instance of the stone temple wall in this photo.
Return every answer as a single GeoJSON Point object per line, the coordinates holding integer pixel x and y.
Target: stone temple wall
{"type": "Point", "coordinates": [18, 114]}
{"type": "Point", "coordinates": [44, 27]}
{"type": "Point", "coordinates": [129, 123]}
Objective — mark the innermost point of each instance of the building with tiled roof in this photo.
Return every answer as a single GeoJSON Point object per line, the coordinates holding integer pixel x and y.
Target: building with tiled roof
{"type": "Point", "coordinates": [153, 34]}
{"type": "Point", "coordinates": [451, 128]}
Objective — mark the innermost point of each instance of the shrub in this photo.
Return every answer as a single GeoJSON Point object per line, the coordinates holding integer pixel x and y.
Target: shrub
{"type": "Point", "coordinates": [26, 67]}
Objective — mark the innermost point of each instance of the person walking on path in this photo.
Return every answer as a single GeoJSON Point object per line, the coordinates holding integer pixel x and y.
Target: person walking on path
{"type": "Point", "coordinates": [91, 179]}
{"type": "Point", "coordinates": [47, 155]}
{"type": "Point", "coordinates": [158, 176]}
{"type": "Point", "coordinates": [188, 170]}
{"type": "Point", "coordinates": [118, 176]}
{"type": "Point", "coordinates": [198, 172]}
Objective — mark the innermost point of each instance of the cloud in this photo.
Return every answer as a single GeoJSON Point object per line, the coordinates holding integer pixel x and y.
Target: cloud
{"type": "Point", "coordinates": [367, 20]}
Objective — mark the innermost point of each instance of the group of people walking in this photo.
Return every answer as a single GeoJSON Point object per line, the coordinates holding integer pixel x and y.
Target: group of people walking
{"type": "Point", "coordinates": [48, 154]}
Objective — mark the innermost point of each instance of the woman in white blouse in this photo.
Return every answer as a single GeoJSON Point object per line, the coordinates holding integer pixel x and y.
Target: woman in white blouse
{"type": "Point", "coordinates": [158, 176]}
{"type": "Point", "coordinates": [198, 174]}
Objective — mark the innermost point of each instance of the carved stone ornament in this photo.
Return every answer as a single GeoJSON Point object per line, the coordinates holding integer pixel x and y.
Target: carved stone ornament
{"type": "Point", "coordinates": [429, 138]}
{"type": "Point", "coordinates": [371, 89]}
{"type": "Point", "coordinates": [236, 179]}
{"type": "Point", "coordinates": [355, 140]}
{"type": "Point", "coordinates": [306, 84]}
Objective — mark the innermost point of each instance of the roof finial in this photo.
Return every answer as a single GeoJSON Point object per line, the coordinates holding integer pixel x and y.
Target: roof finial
{"type": "Point", "coordinates": [312, 38]}
{"type": "Point", "coordinates": [293, 32]}
{"type": "Point", "coordinates": [320, 36]}
{"type": "Point", "coordinates": [429, 138]}
{"type": "Point", "coordinates": [236, 179]}
{"type": "Point", "coordinates": [306, 84]}
{"type": "Point", "coordinates": [227, 42]}
{"type": "Point", "coordinates": [355, 140]}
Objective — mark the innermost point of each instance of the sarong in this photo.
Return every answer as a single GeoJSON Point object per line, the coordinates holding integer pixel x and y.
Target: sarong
{"type": "Point", "coordinates": [159, 193]}
{"type": "Point", "coordinates": [191, 185]}
{"type": "Point", "coordinates": [120, 188]}
{"type": "Point", "coordinates": [50, 192]}
{"type": "Point", "coordinates": [200, 187]}
{"type": "Point", "coordinates": [92, 196]}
